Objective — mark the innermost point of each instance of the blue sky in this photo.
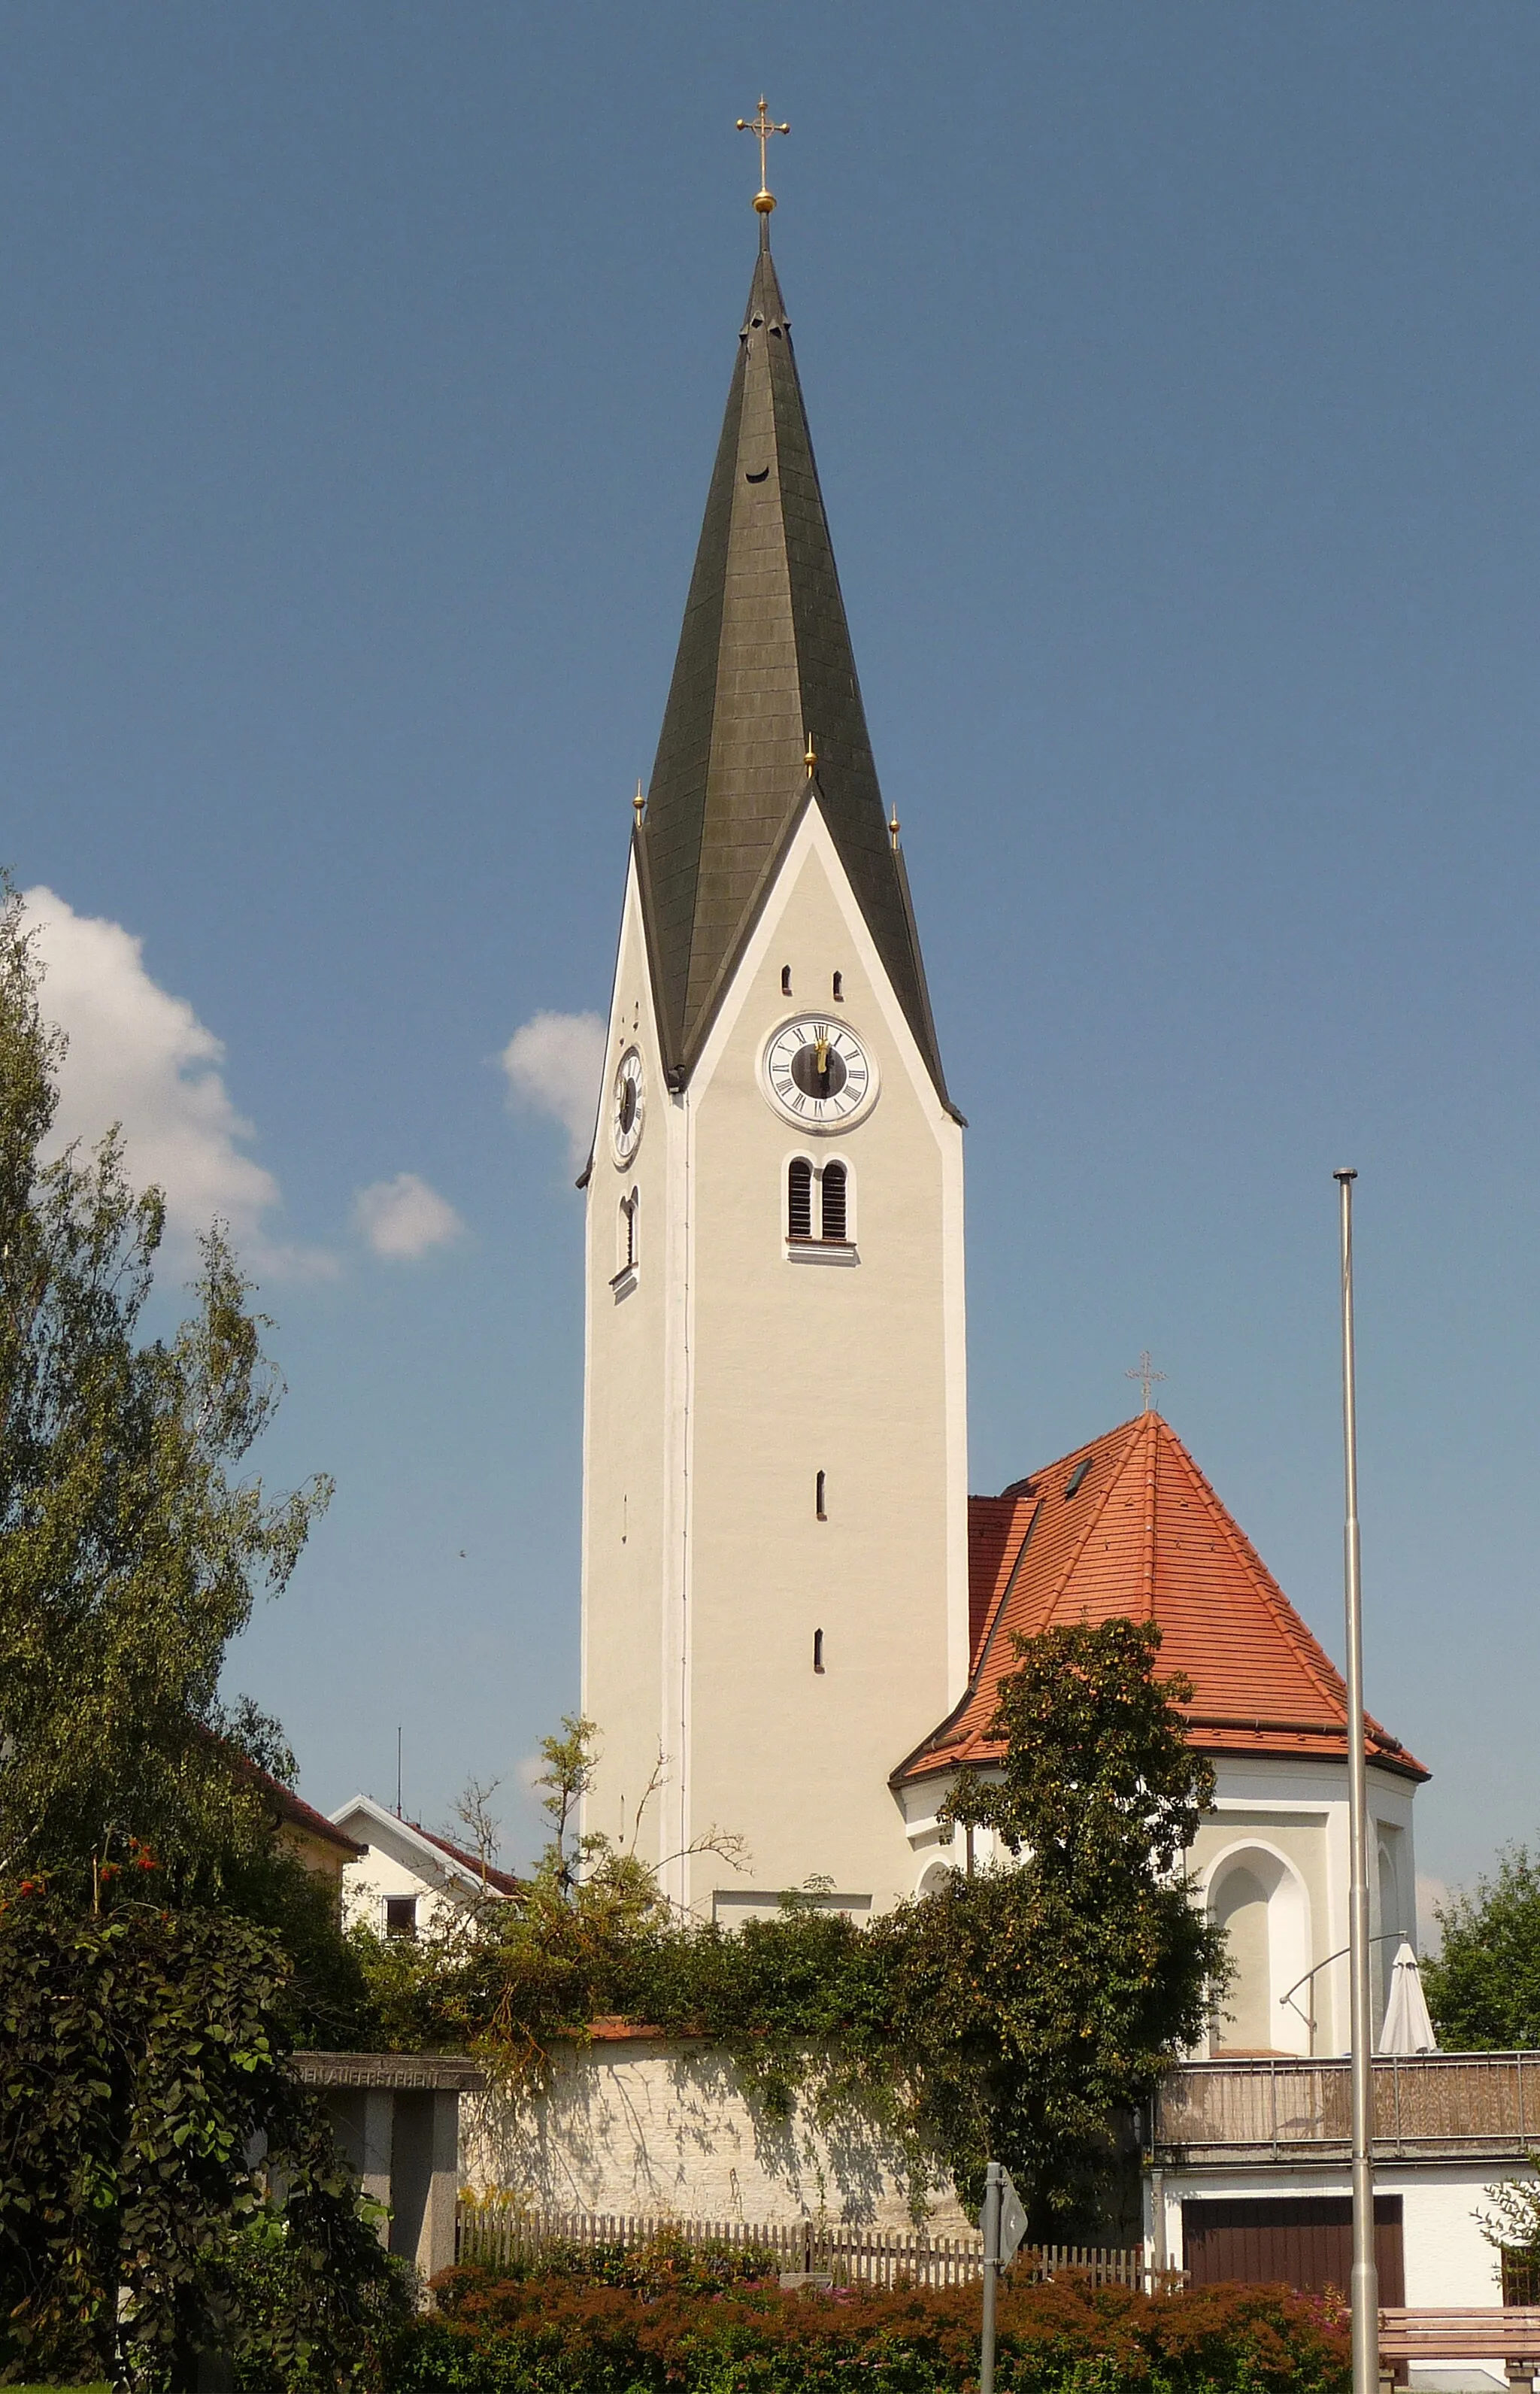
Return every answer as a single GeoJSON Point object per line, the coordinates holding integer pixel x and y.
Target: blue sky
{"type": "Point", "coordinates": [1174, 372]}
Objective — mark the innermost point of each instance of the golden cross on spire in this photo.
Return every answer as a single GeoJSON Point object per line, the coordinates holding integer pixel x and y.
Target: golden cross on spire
{"type": "Point", "coordinates": [762, 126]}
{"type": "Point", "coordinates": [1145, 1372]}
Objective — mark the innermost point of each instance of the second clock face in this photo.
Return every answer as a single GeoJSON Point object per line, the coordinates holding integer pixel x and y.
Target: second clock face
{"type": "Point", "coordinates": [818, 1072]}
{"type": "Point", "coordinates": [626, 1106]}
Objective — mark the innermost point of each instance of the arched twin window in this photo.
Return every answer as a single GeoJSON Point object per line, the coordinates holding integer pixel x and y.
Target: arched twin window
{"type": "Point", "coordinates": [818, 1204]}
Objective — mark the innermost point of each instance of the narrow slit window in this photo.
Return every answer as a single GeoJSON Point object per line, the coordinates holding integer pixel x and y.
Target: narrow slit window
{"type": "Point", "coordinates": [799, 1199]}
{"type": "Point", "coordinates": [625, 1243]}
{"type": "Point", "coordinates": [839, 986]}
{"type": "Point", "coordinates": [818, 1499]}
{"type": "Point", "coordinates": [818, 1650]}
{"type": "Point", "coordinates": [834, 1211]}
{"type": "Point", "coordinates": [785, 981]}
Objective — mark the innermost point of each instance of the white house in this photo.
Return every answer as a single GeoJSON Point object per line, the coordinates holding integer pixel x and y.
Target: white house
{"type": "Point", "coordinates": [406, 1874]}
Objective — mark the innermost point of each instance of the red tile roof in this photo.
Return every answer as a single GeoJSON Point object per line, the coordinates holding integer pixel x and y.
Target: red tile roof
{"type": "Point", "coordinates": [1144, 1536]}
{"type": "Point", "coordinates": [294, 1812]}
{"type": "Point", "coordinates": [502, 1881]}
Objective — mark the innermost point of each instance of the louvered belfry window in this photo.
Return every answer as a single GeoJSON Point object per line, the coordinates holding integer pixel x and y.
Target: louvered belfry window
{"type": "Point", "coordinates": [799, 1199]}
{"type": "Point", "coordinates": [833, 1202]}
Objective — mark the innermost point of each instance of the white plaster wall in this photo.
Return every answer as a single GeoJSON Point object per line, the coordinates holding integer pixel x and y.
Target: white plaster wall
{"type": "Point", "coordinates": [798, 1370]}
{"type": "Point", "coordinates": [665, 2130]}
{"type": "Point", "coordinates": [722, 1383]}
{"type": "Point", "coordinates": [366, 1883]}
{"type": "Point", "coordinates": [1448, 2261]}
{"type": "Point", "coordinates": [1298, 1808]}
{"type": "Point", "coordinates": [633, 1548]}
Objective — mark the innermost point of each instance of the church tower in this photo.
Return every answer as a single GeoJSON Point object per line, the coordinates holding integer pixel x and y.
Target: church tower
{"type": "Point", "coordinates": [774, 1565]}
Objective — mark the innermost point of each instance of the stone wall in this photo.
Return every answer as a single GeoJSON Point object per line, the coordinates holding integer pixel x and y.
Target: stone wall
{"type": "Point", "coordinates": [635, 2124]}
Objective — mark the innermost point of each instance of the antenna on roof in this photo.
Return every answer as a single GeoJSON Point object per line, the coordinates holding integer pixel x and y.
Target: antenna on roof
{"type": "Point", "coordinates": [398, 1771]}
{"type": "Point", "coordinates": [1146, 1374]}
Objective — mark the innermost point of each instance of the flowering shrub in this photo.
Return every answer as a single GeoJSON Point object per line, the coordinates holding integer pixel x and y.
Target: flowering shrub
{"type": "Point", "coordinates": [544, 2334]}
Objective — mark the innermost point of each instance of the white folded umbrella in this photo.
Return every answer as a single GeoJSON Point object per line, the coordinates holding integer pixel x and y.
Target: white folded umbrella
{"type": "Point", "coordinates": [1407, 2026]}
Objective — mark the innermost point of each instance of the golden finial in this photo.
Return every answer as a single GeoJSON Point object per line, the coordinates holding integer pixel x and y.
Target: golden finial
{"type": "Point", "coordinates": [762, 126]}
{"type": "Point", "coordinates": [893, 827]}
{"type": "Point", "coordinates": [637, 805]}
{"type": "Point", "coordinates": [811, 759]}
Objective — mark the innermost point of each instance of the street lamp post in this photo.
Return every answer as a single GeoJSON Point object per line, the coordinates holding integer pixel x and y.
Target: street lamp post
{"type": "Point", "coordinates": [1363, 2285]}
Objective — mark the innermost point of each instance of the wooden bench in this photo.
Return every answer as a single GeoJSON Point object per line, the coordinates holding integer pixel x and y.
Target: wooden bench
{"type": "Point", "coordinates": [1511, 2337]}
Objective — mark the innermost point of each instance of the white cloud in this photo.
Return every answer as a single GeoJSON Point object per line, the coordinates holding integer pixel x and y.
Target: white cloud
{"type": "Point", "coordinates": [140, 1056]}
{"type": "Point", "coordinates": [553, 1063]}
{"type": "Point", "coordinates": [404, 1219]}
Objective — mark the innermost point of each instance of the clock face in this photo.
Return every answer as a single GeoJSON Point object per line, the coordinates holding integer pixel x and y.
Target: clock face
{"type": "Point", "coordinates": [818, 1073]}
{"type": "Point", "coordinates": [626, 1106]}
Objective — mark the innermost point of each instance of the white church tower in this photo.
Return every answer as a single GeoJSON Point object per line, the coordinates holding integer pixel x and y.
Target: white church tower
{"type": "Point", "coordinates": [774, 1562]}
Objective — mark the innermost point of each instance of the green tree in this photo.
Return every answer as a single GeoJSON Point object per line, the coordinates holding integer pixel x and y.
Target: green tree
{"type": "Point", "coordinates": [160, 2175]}
{"type": "Point", "coordinates": [133, 1541]}
{"type": "Point", "coordinates": [510, 1976]}
{"type": "Point", "coordinates": [1040, 1999]}
{"type": "Point", "coordinates": [1484, 1988]}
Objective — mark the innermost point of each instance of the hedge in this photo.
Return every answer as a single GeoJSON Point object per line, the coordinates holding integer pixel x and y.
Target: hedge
{"type": "Point", "coordinates": [548, 2335]}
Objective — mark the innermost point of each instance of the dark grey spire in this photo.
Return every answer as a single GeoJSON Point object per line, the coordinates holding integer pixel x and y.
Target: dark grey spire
{"type": "Point", "coordinates": [765, 668]}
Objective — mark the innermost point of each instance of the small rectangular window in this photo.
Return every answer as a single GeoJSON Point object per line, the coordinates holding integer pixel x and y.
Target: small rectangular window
{"type": "Point", "coordinates": [400, 1915]}
{"type": "Point", "coordinates": [818, 1650]}
{"type": "Point", "coordinates": [1077, 1479]}
{"type": "Point", "coordinates": [818, 1498]}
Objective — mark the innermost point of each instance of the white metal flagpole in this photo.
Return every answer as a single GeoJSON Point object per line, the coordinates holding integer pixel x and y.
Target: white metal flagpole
{"type": "Point", "coordinates": [1364, 2286]}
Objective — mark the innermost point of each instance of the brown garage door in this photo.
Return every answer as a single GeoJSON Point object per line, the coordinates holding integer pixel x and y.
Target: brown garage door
{"type": "Point", "coordinates": [1303, 2241]}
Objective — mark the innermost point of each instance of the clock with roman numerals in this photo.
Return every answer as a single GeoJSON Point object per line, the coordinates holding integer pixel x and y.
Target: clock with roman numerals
{"type": "Point", "coordinates": [818, 1073]}
{"type": "Point", "coordinates": [626, 1106]}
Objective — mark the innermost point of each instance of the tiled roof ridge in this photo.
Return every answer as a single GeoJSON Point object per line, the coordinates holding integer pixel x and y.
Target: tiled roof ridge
{"type": "Point", "coordinates": [503, 1880]}
{"type": "Point", "coordinates": [1097, 1510]}
{"type": "Point", "coordinates": [937, 1737]}
{"type": "Point", "coordinates": [1026, 1491]}
{"type": "Point", "coordinates": [1022, 1492]}
{"type": "Point", "coordinates": [1152, 1500]}
{"type": "Point", "coordinates": [1007, 1588]}
{"type": "Point", "coordinates": [1294, 1627]}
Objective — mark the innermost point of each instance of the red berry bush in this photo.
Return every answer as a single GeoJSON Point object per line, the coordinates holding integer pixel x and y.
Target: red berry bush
{"type": "Point", "coordinates": [551, 2335]}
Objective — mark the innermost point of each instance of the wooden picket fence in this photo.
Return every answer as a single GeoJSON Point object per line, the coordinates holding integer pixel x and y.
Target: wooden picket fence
{"type": "Point", "coordinates": [509, 2233]}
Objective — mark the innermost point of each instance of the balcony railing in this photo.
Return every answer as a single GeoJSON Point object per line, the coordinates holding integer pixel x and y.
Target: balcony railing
{"type": "Point", "coordinates": [1426, 2104]}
